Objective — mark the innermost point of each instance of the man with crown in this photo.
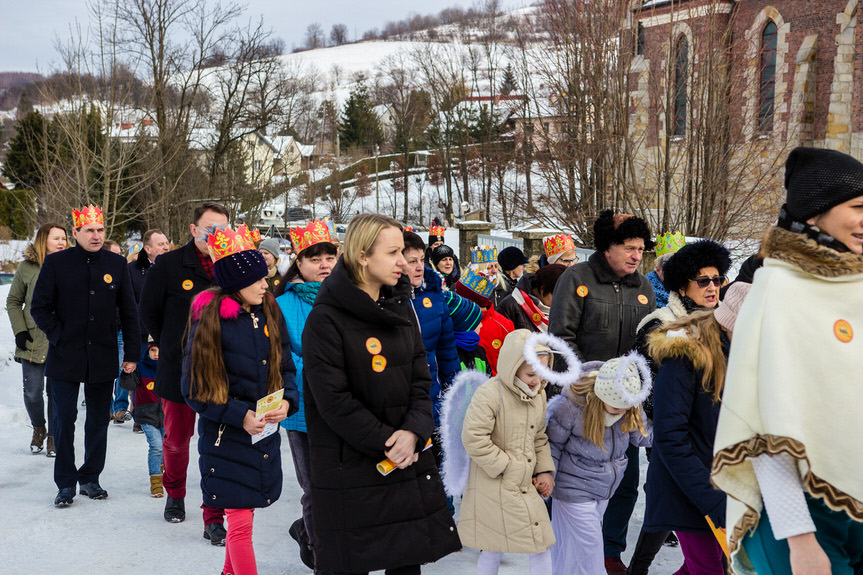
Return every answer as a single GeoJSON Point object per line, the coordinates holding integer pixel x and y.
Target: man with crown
{"type": "Point", "coordinates": [169, 288]}
{"type": "Point", "coordinates": [596, 308]}
{"type": "Point", "coordinates": [78, 297]}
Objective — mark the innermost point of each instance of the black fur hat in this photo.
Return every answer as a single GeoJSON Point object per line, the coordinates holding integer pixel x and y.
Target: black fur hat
{"type": "Point", "coordinates": [610, 228]}
{"type": "Point", "coordinates": [688, 260]}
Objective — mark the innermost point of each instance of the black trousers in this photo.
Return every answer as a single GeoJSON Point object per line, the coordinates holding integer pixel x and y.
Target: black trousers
{"type": "Point", "coordinates": [98, 397]}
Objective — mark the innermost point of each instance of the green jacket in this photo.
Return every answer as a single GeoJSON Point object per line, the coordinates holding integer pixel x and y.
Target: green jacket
{"type": "Point", "coordinates": [18, 308]}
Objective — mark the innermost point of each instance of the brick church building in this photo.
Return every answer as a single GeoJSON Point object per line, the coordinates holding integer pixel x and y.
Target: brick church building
{"type": "Point", "coordinates": [774, 75]}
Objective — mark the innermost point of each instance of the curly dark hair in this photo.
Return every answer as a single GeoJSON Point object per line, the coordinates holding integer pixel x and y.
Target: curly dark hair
{"type": "Point", "coordinates": [685, 264]}
{"type": "Point", "coordinates": [605, 234]}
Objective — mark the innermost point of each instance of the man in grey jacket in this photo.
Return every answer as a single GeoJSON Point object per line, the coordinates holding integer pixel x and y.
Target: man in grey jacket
{"type": "Point", "coordinates": [596, 308]}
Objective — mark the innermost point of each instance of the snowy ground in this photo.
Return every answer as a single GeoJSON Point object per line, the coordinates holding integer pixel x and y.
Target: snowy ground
{"type": "Point", "coordinates": [126, 532]}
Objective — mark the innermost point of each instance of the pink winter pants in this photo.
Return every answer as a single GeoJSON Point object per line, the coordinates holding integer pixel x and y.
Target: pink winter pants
{"type": "Point", "coordinates": [702, 554]}
{"type": "Point", "coordinates": [239, 553]}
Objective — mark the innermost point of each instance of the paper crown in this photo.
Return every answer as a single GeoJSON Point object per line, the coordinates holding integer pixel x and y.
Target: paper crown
{"type": "Point", "coordinates": [477, 283]}
{"type": "Point", "coordinates": [255, 234]}
{"type": "Point", "coordinates": [408, 228]}
{"type": "Point", "coordinates": [315, 232]}
{"type": "Point", "coordinates": [669, 243]}
{"type": "Point", "coordinates": [483, 255]}
{"type": "Point", "coordinates": [558, 244]}
{"type": "Point", "coordinates": [331, 226]}
{"type": "Point", "coordinates": [437, 231]}
{"type": "Point", "coordinates": [223, 243]}
{"type": "Point", "coordinates": [89, 215]}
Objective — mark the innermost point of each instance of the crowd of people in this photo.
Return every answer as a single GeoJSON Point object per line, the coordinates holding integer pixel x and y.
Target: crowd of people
{"type": "Point", "coordinates": [500, 404]}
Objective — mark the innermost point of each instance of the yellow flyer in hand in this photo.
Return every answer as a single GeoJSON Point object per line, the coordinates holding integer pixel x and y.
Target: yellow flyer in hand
{"type": "Point", "coordinates": [265, 405]}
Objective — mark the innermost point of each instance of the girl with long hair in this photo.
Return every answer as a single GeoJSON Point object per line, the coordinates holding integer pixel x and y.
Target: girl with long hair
{"type": "Point", "coordinates": [236, 355]}
{"type": "Point", "coordinates": [31, 345]}
{"type": "Point", "coordinates": [366, 387]}
{"type": "Point", "coordinates": [590, 426]}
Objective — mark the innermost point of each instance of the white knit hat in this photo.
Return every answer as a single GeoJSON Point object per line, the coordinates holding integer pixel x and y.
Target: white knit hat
{"type": "Point", "coordinates": [623, 382]}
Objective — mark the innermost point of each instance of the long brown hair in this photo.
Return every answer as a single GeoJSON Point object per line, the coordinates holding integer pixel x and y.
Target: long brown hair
{"type": "Point", "coordinates": [209, 378]}
{"type": "Point", "coordinates": [705, 331]}
{"type": "Point", "coordinates": [593, 426]}
{"type": "Point", "coordinates": [40, 242]}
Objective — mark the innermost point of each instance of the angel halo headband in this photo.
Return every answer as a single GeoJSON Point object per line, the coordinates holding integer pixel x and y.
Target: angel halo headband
{"type": "Point", "coordinates": [558, 347]}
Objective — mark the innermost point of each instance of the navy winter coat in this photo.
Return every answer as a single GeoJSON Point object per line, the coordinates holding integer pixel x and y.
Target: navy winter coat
{"type": "Point", "coordinates": [76, 302]}
{"type": "Point", "coordinates": [438, 338]}
{"type": "Point", "coordinates": [137, 272]}
{"type": "Point", "coordinates": [365, 376]}
{"type": "Point", "coordinates": [169, 287]}
{"type": "Point", "coordinates": [679, 492]}
{"type": "Point", "coordinates": [236, 474]}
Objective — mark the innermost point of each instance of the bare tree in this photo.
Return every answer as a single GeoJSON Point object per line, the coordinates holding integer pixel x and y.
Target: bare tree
{"type": "Point", "coordinates": [314, 36]}
{"type": "Point", "coordinates": [338, 34]}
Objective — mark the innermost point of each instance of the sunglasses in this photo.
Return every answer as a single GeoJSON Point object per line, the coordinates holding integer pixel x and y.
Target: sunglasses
{"type": "Point", "coordinates": [704, 282]}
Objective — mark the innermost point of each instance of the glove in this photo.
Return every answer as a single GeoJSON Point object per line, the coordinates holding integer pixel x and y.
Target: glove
{"type": "Point", "coordinates": [21, 339]}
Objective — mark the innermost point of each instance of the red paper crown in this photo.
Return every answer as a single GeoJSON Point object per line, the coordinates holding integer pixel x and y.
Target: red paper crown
{"type": "Point", "coordinates": [408, 228]}
{"type": "Point", "coordinates": [89, 215]}
{"type": "Point", "coordinates": [438, 231]}
{"type": "Point", "coordinates": [558, 244]}
{"type": "Point", "coordinates": [255, 234]}
{"type": "Point", "coordinates": [223, 243]}
{"type": "Point", "coordinates": [315, 232]}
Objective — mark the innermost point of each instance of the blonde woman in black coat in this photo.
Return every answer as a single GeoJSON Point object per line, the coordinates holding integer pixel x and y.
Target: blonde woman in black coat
{"type": "Point", "coordinates": [366, 384]}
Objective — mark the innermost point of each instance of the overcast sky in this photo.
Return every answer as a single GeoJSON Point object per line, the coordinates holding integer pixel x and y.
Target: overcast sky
{"type": "Point", "coordinates": [28, 27]}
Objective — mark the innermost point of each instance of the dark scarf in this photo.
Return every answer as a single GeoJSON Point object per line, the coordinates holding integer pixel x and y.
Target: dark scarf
{"type": "Point", "coordinates": [789, 223]}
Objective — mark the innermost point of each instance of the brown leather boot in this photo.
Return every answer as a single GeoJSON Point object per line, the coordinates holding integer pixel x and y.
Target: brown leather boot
{"type": "Point", "coordinates": [156, 486]}
{"type": "Point", "coordinates": [39, 434]}
{"type": "Point", "coordinates": [49, 447]}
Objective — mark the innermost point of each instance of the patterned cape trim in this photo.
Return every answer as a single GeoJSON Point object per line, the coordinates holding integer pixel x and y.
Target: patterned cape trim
{"type": "Point", "coordinates": [814, 485]}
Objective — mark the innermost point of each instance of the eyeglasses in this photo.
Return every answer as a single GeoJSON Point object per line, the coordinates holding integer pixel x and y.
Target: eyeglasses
{"type": "Point", "coordinates": [704, 282]}
{"type": "Point", "coordinates": [567, 262]}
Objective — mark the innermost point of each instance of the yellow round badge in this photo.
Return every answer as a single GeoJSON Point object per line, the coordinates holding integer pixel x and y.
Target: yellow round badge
{"type": "Point", "coordinates": [276, 282]}
{"type": "Point", "coordinates": [373, 346]}
{"type": "Point", "coordinates": [537, 318]}
{"type": "Point", "coordinates": [842, 330]}
{"type": "Point", "coordinates": [427, 302]}
{"type": "Point", "coordinates": [379, 363]}
{"type": "Point", "coordinates": [151, 385]}
{"type": "Point", "coordinates": [108, 279]}
{"type": "Point", "coordinates": [642, 299]}
{"type": "Point", "coordinates": [581, 291]}
{"type": "Point", "coordinates": [188, 284]}
{"type": "Point", "coordinates": [496, 343]}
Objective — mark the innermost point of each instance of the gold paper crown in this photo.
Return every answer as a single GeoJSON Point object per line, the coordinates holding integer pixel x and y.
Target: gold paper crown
{"type": "Point", "coordinates": [89, 215]}
{"type": "Point", "coordinates": [255, 234]}
{"type": "Point", "coordinates": [437, 231]}
{"type": "Point", "coordinates": [483, 255]}
{"type": "Point", "coordinates": [669, 243]}
{"type": "Point", "coordinates": [315, 232]}
{"type": "Point", "coordinates": [223, 243]}
{"type": "Point", "coordinates": [558, 244]}
{"type": "Point", "coordinates": [477, 283]}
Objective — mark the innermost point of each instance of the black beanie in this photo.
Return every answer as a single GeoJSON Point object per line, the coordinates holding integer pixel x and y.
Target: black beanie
{"type": "Point", "coordinates": [441, 252]}
{"type": "Point", "coordinates": [510, 258]}
{"type": "Point", "coordinates": [240, 270]}
{"type": "Point", "coordinates": [816, 180]}
{"type": "Point", "coordinates": [610, 228]}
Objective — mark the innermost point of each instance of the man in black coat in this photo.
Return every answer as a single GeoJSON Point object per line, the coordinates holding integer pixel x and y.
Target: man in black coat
{"type": "Point", "coordinates": [76, 302]}
{"type": "Point", "coordinates": [169, 287]}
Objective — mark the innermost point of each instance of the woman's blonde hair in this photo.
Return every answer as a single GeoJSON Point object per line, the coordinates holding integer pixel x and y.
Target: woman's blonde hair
{"type": "Point", "coordinates": [593, 426]}
{"type": "Point", "coordinates": [703, 328]}
{"type": "Point", "coordinates": [360, 238]}
{"type": "Point", "coordinates": [40, 242]}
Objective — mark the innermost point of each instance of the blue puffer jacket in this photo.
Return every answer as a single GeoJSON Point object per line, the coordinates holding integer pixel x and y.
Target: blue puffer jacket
{"type": "Point", "coordinates": [296, 310]}
{"type": "Point", "coordinates": [236, 474]}
{"type": "Point", "coordinates": [584, 471]}
{"type": "Point", "coordinates": [438, 338]}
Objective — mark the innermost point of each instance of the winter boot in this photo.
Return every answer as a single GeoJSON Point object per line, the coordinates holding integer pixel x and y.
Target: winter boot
{"type": "Point", "coordinates": [39, 434]}
{"type": "Point", "coordinates": [49, 447]}
{"type": "Point", "coordinates": [175, 510]}
{"type": "Point", "coordinates": [156, 486]}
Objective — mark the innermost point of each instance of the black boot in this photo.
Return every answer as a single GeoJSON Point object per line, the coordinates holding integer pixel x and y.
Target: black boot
{"type": "Point", "coordinates": [215, 533]}
{"type": "Point", "coordinates": [299, 534]}
{"type": "Point", "coordinates": [175, 510]}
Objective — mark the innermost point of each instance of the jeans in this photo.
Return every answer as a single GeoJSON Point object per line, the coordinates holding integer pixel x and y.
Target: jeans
{"type": "Point", "coordinates": [615, 523]}
{"type": "Point", "coordinates": [154, 453]}
{"type": "Point", "coordinates": [121, 396]}
{"type": "Point", "coordinates": [34, 394]}
{"type": "Point", "coordinates": [299, 443]}
{"type": "Point", "coordinates": [98, 398]}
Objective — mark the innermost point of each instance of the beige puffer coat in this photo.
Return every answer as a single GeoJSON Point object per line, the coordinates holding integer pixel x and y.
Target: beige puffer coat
{"type": "Point", "coordinates": [504, 435]}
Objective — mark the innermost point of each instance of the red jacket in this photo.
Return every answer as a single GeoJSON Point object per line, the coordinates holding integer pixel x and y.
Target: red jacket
{"type": "Point", "coordinates": [491, 335]}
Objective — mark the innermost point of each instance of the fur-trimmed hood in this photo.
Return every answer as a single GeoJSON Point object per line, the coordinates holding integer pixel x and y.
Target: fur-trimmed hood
{"type": "Point", "coordinates": [679, 343]}
{"type": "Point", "coordinates": [30, 254]}
{"type": "Point", "coordinates": [229, 308]}
{"type": "Point", "coordinates": [808, 255]}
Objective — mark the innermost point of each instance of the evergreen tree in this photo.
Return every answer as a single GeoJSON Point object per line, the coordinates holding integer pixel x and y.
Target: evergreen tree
{"type": "Point", "coordinates": [509, 84]}
{"type": "Point", "coordinates": [360, 125]}
{"type": "Point", "coordinates": [25, 148]}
